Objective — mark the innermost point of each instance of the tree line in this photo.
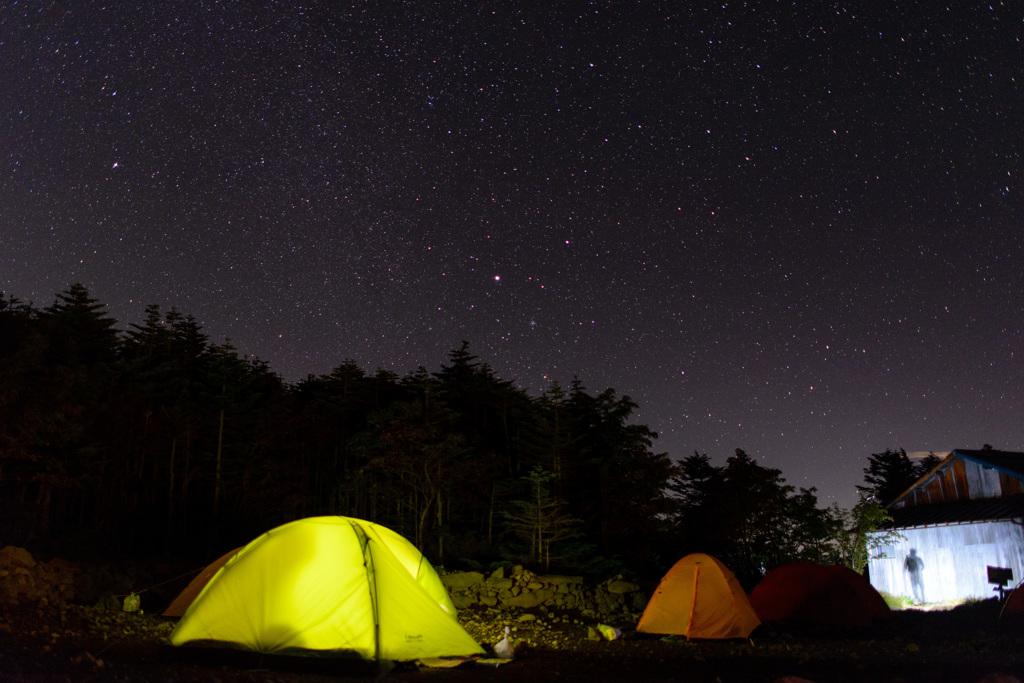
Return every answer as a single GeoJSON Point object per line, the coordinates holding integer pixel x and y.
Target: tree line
{"type": "Point", "coordinates": [155, 441]}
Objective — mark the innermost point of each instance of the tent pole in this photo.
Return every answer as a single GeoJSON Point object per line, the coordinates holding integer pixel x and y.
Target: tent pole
{"type": "Point", "coordinates": [693, 601]}
{"type": "Point", "coordinates": [371, 577]}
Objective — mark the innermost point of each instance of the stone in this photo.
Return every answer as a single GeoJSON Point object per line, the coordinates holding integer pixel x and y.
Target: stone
{"type": "Point", "coordinates": [619, 587]}
{"type": "Point", "coordinates": [460, 581]}
{"type": "Point", "coordinates": [107, 603]}
{"type": "Point", "coordinates": [12, 556]}
{"type": "Point", "coordinates": [530, 599]}
{"type": "Point", "coordinates": [556, 580]}
{"type": "Point", "coordinates": [507, 590]}
{"type": "Point", "coordinates": [463, 600]}
{"type": "Point", "coordinates": [527, 617]}
{"type": "Point", "coordinates": [500, 583]}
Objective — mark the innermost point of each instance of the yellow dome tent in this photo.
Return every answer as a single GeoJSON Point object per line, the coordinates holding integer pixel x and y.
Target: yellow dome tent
{"type": "Point", "coordinates": [328, 585]}
{"type": "Point", "coordinates": [699, 598]}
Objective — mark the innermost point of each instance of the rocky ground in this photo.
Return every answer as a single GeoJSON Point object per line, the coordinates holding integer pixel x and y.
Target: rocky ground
{"type": "Point", "coordinates": [60, 622]}
{"type": "Point", "coordinates": [97, 643]}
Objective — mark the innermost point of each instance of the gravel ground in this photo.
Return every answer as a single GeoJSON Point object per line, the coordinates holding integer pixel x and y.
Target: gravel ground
{"type": "Point", "coordinates": [967, 644]}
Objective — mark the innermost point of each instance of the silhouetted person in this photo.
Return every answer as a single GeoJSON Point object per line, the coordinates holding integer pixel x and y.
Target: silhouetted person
{"type": "Point", "coordinates": [914, 565]}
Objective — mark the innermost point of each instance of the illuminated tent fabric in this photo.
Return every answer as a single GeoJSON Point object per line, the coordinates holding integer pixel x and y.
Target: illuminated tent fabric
{"type": "Point", "coordinates": [811, 593]}
{"type": "Point", "coordinates": [699, 598]}
{"type": "Point", "coordinates": [328, 585]}
{"type": "Point", "coordinates": [180, 604]}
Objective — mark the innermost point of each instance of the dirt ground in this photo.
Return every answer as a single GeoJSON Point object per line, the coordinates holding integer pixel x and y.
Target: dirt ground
{"type": "Point", "coordinates": [966, 644]}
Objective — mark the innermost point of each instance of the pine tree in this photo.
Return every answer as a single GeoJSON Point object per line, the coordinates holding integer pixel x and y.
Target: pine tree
{"type": "Point", "coordinates": [888, 474]}
{"type": "Point", "coordinates": [541, 519]}
{"type": "Point", "coordinates": [81, 332]}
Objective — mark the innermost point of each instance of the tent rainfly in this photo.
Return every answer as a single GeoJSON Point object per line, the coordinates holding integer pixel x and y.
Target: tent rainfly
{"type": "Point", "coordinates": [811, 593]}
{"type": "Point", "coordinates": [699, 598]}
{"type": "Point", "coordinates": [178, 606]}
{"type": "Point", "coordinates": [1013, 608]}
{"type": "Point", "coordinates": [330, 586]}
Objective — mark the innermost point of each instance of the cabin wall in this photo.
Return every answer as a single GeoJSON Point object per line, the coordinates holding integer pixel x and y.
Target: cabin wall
{"type": "Point", "coordinates": [984, 482]}
{"type": "Point", "coordinates": [945, 484]}
{"type": "Point", "coordinates": [1010, 485]}
{"type": "Point", "coordinates": [955, 558]}
{"type": "Point", "coordinates": [963, 480]}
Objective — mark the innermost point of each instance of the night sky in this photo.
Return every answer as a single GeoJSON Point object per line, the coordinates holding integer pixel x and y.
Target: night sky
{"type": "Point", "coordinates": [794, 228]}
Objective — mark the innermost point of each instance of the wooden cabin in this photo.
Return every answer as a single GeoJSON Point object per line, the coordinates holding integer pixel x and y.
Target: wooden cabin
{"type": "Point", "coordinates": [965, 521]}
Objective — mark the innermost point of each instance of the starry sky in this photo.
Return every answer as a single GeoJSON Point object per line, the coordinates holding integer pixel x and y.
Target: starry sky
{"type": "Point", "coordinates": [792, 228]}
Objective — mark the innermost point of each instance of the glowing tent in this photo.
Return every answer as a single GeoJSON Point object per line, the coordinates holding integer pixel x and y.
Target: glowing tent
{"type": "Point", "coordinates": [810, 593]}
{"type": "Point", "coordinates": [699, 598]}
{"type": "Point", "coordinates": [328, 585]}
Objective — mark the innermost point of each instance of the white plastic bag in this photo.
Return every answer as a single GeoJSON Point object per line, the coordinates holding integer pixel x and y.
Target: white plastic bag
{"type": "Point", "coordinates": [131, 603]}
{"type": "Point", "coordinates": [503, 648]}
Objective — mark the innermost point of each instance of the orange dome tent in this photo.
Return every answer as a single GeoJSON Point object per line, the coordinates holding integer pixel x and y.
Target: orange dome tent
{"type": "Point", "coordinates": [812, 593]}
{"type": "Point", "coordinates": [180, 604]}
{"type": "Point", "coordinates": [699, 598]}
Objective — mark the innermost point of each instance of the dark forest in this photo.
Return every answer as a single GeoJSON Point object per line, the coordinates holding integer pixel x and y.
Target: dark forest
{"type": "Point", "coordinates": [154, 442]}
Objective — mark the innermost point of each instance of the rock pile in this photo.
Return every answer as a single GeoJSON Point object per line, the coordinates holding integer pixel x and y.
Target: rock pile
{"type": "Point", "coordinates": [524, 590]}
{"type": "Point", "coordinates": [25, 581]}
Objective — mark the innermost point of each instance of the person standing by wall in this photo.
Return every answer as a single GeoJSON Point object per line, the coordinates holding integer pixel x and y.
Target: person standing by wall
{"type": "Point", "coordinates": [914, 565]}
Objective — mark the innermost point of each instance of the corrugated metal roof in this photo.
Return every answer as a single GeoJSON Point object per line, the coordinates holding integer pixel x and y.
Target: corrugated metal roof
{"type": "Point", "coordinates": [957, 512]}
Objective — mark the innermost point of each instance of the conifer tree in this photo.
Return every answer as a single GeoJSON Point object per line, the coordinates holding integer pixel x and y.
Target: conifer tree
{"type": "Point", "coordinates": [540, 519]}
{"type": "Point", "coordinates": [888, 474]}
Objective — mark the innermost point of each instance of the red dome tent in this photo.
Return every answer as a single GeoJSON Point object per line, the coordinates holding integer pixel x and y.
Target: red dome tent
{"type": "Point", "coordinates": [1014, 605]}
{"type": "Point", "coordinates": [810, 593]}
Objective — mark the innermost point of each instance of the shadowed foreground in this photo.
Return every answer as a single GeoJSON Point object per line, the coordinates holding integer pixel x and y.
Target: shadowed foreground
{"type": "Point", "coordinates": [77, 643]}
